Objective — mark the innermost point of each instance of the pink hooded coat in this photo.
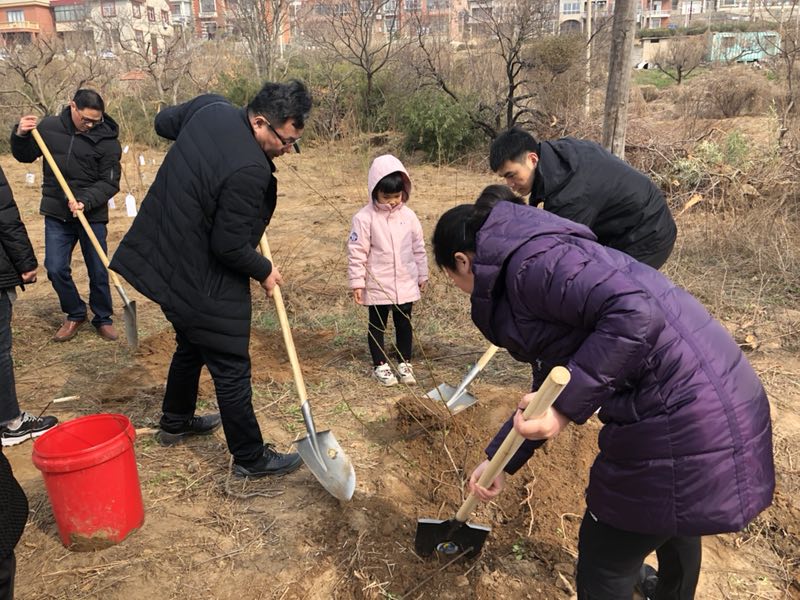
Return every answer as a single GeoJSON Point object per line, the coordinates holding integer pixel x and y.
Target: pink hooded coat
{"type": "Point", "coordinates": [386, 249]}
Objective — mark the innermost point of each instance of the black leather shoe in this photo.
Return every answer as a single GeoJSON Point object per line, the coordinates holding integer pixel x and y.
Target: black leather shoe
{"type": "Point", "coordinates": [169, 436]}
{"type": "Point", "coordinates": [648, 580]}
{"type": "Point", "coordinates": [269, 463]}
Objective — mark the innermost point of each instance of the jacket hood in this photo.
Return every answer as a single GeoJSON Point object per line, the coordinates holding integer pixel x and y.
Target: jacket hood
{"type": "Point", "coordinates": [383, 166]}
{"type": "Point", "coordinates": [107, 130]}
{"type": "Point", "coordinates": [556, 169]}
{"type": "Point", "coordinates": [510, 225]}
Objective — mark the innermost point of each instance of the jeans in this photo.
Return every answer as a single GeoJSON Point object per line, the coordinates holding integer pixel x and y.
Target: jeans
{"type": "Point", "coordinates": [609, 560]}
{"type": "Point", "coordinates": [9, 407]}
{"type": "Point", "coordinates": [378, 319]}
{"type": "Point", "coordinates": [59, 241]}
{"type": "Point", "coordinates": [231, 375]}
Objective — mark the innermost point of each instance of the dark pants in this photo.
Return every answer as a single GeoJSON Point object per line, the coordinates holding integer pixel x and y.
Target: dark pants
{"type": "Point", "coordinates": [9, 407]}
{"type": "Point", "coordinates": [8, 567]}
{"type": "Point", "coordinates": [378, 319]}
{"type": "Point", "coordinates": [59, 242]}
{"type": "Point", "coordinates": [231, 375]}
{"type": "Point", "coordinates": [609, 560]}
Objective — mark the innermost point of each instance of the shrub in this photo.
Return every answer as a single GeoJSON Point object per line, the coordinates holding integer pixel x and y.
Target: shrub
{"type": "Point", "coordinates": [732, 96]}
{"type": "Point", "coordinates": [434, 124]}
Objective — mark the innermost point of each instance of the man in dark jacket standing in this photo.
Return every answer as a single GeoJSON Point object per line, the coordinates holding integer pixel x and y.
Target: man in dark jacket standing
{"type": "Point", "coordinates": [83, 142]}
{"type": "Point", "coordinates": [581, 181]}
{"type": "Point", "coordinates": [17, 267]}
{"type": "Point", "coordinates": [191, 249]}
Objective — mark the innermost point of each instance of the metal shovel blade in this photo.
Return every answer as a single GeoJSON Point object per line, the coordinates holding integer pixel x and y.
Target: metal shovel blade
{"type": "Point", "coordinates": [455, 401]}
{"type": "Point", "coordinates": [335, 472]}
{"type": "Point", "coordinates": [449, 538]}
{"type": "Point", "coordinates": [131, 330]}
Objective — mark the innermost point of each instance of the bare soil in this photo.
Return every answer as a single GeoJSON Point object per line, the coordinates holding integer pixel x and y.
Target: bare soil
{"type": "Point", "coordinates": [208, 535]}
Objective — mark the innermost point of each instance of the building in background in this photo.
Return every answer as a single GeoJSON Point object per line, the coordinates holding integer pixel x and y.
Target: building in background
{"type": "Point", "coordinates": [23, 21]}
{"type": "Point", "coordinates": [109, 25]}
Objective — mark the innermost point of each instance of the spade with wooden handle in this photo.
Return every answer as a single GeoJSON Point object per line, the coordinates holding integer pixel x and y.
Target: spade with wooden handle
{"type": "Point", "coordinates": [320, 451]}
{"type": "Point", "coordinates": [456, 536]}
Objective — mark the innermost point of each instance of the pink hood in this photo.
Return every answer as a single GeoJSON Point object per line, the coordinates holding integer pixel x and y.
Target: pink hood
{"type": "Point", "coordinates": [383, 166]}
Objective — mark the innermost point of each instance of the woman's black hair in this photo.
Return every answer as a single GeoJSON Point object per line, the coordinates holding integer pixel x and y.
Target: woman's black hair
{"type": "Point", "coordinates": [391, 184]}
{"type": "Point", "coordinates": [457, 228]}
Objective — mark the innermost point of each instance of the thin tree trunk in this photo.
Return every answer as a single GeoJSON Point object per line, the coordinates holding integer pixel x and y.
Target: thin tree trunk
{"type": "Point", "coordinates": [615, 118]}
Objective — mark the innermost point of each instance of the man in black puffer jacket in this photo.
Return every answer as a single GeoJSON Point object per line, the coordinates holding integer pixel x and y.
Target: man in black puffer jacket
{"type": "Point", "coordinates": [581, 181]}
{"type": "Point", "coordinates": [192, 250]}
{"type": "Point", "coordinates": [83, 142]}
{"type": "Point", "coordinates": [17, 267]}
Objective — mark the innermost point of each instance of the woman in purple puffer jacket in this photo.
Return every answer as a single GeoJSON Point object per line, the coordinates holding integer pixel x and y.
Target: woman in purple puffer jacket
{"type": "Point", "coordinates": [686, 447]}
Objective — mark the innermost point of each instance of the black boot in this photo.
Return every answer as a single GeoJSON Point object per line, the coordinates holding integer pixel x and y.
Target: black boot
{"type": "Point", "coordinates": [269, 463]}
{"type": "Point", "coordinates": [648, 580]}
{"type": "Point", "coordinates": [171, 434]}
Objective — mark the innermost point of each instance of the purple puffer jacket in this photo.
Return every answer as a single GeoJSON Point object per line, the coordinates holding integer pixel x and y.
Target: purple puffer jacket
{"type": "Point", "coordinates": [686, 447]}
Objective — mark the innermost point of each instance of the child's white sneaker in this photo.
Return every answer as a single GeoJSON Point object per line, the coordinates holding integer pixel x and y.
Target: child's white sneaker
{"type": "Point", "coordinates": [406, 372]}
{"type": "Point", "coordinates": [383, 373]}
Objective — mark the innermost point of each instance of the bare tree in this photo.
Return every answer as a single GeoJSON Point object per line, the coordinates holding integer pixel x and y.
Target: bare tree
{"type": "Point", "coordinates": [680, 56]}
{"type": "Point", "coordinates": [509, 29]}
{"type": "Point", "coordinates": [615, 117]}
{"type": "Point", "coordinates": [261, 24]}
{"type": "Point", "coordinates": [363, 33]}
{"type": "Point", "coordinates": [43, 74]}
{"type": "Point", "coordinates": [166, 65]}
{"type": "Point", "coordinates": [785, 52]}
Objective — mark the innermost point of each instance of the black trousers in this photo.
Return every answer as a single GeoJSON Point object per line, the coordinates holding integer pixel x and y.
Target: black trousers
{"type": "Point", "coordinates": [378, 319]}
{"type": "Point", "coordinates": [231, 375]}
{"type": "Point", "coordinates": [609, 560]}
{"type": "Point", "coordinates": [8, 567]}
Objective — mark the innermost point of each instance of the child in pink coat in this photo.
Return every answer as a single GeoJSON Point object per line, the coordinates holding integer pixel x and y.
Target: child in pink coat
{"type": "Point", "coordinates": [387, 264]}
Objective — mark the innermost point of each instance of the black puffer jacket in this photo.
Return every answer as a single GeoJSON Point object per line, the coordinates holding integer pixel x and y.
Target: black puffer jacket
{"type": "Point", "coordinates": [90, 162]}
{"type": "Point", "coordinates": [192, 246]}
{"type": "Point", "coordinates": [16, 252]}
{"type": "Point", "coordinates": [581, 181]}
{"type": "Point", "coordinates": [13, 509]}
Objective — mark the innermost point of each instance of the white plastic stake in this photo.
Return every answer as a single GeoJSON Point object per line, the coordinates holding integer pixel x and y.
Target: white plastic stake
{"type": "Point", "coordinates": [130, 205]}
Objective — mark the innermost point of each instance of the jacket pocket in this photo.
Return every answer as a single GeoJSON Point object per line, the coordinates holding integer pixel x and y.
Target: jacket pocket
{"type": "Point", "coordinates": [213, 283]}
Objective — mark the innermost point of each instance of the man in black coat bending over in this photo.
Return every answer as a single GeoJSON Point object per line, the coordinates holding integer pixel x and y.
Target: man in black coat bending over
{"type": "Point", "coordinates": [192, 250]}
{"type": "Point", "coordinates": [84, 142]}
{"type": "Point", "coordinates": [581, 181]}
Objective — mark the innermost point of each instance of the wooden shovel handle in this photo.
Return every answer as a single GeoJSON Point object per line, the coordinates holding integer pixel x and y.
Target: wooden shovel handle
{"type": "Point", "coordinates": [487, 356]}
{"type": "Point", "coordinates": [285, 329]}
{"type": "Point", "coordinates": [556, 380]}
{"type": "Point", "coordinates": [68, 192]}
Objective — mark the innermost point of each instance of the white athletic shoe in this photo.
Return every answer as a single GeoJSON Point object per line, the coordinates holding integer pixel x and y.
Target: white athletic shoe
{"type": "Point", "coordinates": [406, 372]}
{"type": "Point", "coordinates": [383, 373]}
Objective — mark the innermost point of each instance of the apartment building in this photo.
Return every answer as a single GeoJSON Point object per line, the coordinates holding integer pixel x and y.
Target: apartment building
{"type": "Point", "coordinates": [22, 21]}
{"type": "Point", "coordinates": [572, 14]}
{"type": "Point", "coordinates": [107, 25]}
{"type": "Point", "coordinates": [654, 14]}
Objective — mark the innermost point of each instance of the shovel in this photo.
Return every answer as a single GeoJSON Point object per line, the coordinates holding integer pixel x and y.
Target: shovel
{"type": "Point", "coordinates": [128, 306]}
{"type": "Point", "coordinates": [457, 399]}
{"type": "Point", "coordinates": [320, 451]}
{"type": "Point", "coordinates": [456, 536]}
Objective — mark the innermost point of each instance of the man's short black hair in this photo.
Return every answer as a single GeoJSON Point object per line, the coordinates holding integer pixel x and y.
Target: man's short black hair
{"type": "Point", "coordinates": [280, 102]}
{"type": "Point", "coordinates": [512, 144]}
{"type": "Point", "coordinates": [391, 184]}
{"type": "Point", "coordinates": [85, 98]}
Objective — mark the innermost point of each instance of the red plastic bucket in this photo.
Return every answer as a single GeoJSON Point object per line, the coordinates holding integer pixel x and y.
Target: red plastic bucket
{"type": "Point", "coordinates": [89, 470]}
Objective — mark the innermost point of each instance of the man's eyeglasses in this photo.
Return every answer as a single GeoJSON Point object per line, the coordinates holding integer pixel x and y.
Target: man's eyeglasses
{"type": "Point", "coordinates": [88, 121]}
{"type": "Point", "coordinates": [285, 141]}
